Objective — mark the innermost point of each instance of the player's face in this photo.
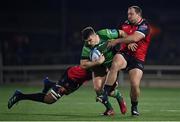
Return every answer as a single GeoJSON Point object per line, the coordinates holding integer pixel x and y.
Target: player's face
{"type": "Point", "coordinates": [133, 17]}
{"type": "Point", "coordinates": [92, 40]}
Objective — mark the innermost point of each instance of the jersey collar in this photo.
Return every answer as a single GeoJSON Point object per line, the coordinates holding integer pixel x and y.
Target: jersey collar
{"type": "Point", "coordinates": [140, 21]}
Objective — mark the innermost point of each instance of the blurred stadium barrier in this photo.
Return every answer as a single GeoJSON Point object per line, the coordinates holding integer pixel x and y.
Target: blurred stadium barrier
{"type": "Point", "coordinates": [154, 75]}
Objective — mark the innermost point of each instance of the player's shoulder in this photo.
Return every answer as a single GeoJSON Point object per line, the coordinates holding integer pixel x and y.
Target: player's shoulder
{"type": "Point", "coordinates": [143, 25]}
{"type": "Point", "coordinates": [102, 31]}
{"type": "Point", "coordinates": [143, 22]}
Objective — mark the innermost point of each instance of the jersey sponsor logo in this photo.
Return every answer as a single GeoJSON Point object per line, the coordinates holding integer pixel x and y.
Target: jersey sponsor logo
{"type": "Point", "coordinates": [143, 27]}
{"type": "Point", "coordinates": [140, 65]}
{"type": "Point", "coordinates": [113, 31]}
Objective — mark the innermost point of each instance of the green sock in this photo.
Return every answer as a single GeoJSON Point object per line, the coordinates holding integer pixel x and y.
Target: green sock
{"type": "Point", "coordinates": [117, 95]}
{"type": "Point", "coordinates": [107, 104]}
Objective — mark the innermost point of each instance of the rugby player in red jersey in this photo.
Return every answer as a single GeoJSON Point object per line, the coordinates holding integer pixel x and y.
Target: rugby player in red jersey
{"type": "Point", "coordinates": [70, 81]}
{"type": "Point", "coordinates": [131, 56]}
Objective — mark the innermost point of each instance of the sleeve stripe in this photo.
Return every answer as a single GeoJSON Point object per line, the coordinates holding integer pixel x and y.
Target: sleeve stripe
{"type": "Point", "coordinates": [141, 33]}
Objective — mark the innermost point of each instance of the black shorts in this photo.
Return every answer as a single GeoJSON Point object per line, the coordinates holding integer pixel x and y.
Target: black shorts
{"type": "Point", "coordinates": [132, 62]}
{"type": "Point", "coordinates": [66, 83]}
{"type": "Point", "coordinates": [69, 85]}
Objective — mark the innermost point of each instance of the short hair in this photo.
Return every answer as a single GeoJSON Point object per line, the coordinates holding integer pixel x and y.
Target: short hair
{"type": "Point", "coordinates": [86, 32]}
{"type": "Point", "coordinates": [137, 9]}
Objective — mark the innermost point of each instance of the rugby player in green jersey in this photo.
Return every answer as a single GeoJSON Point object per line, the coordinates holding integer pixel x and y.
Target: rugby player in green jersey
{"type": "Point", "coordinates": [100, 67]}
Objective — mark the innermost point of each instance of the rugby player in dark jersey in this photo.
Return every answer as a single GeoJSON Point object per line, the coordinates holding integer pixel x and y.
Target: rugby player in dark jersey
{"type": "Point", "coordinates": [70, 81]}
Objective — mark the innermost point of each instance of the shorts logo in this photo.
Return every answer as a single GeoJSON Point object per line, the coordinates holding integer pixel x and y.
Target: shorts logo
{"type": "Point", "coordinates": [140, 65]}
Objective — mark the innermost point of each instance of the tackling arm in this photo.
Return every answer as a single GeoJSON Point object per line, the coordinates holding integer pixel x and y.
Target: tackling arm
{"type": "Point", "coordinates": [131, 38]}
{"type": "Point", "coordinates": [122, 34]}
{"type": "Point", "coordinates": [108, 34]}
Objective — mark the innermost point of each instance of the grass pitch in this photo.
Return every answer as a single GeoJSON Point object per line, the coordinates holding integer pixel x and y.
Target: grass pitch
{"type": "Point", "coordinates": [156, 104]}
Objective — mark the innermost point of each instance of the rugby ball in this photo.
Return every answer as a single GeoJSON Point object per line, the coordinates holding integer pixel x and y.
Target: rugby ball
{"type": "Point", "coordinates": [94, 54]}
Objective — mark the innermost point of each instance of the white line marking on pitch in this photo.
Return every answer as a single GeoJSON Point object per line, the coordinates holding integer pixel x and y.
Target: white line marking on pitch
{"type": "Point", "coordinates": [171, 110]}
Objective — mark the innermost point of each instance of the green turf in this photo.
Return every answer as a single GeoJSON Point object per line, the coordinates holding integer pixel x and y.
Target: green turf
{"type": "Point", "coordinates": [155, 104]}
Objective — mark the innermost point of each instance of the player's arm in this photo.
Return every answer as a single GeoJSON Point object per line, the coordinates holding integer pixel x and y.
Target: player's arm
{"type": "Point", "coordinates": [131, 46]}
{"type": "Point", "coordinates": [135, 37]}
{"type": "Point", "coordinates": [86, 63]}
{"type": "Point", "coordinates": [109, 33]}
{"type": "Point", "coordinates": [139, 34]}
{"type": "Point", "coordinates": [122, 33]}
{"type": "Point", "coordinates": [129, 39]}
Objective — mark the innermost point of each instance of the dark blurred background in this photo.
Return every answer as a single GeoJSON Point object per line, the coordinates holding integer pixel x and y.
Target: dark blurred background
{"type": "Point", "coordinates": [43, 32]}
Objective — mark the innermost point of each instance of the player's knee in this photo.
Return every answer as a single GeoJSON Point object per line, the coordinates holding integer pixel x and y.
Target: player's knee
{"type": "Point", "coordinates": [117, 65]}
{"type": "Point", "coordinates": [97, 88]}
{"type": "Point", "coordinates": [98, 84]}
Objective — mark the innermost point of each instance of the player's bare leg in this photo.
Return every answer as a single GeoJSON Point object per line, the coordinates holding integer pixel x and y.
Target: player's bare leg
{"type": "Point", "coordinates": [115, 93]}
{"type": "Point", "coordinates": [135, 78]}
{"type": "Point", "coordinates": [98, 83]}
{"type": "Point", "coordinates": [99, 77]}
{"type": "Point", "coordinates": [118, 63]}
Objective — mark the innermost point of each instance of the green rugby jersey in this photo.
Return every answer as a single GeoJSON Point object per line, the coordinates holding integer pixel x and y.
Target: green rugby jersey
{"type": "Point", "coordinates": [105, 36]}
